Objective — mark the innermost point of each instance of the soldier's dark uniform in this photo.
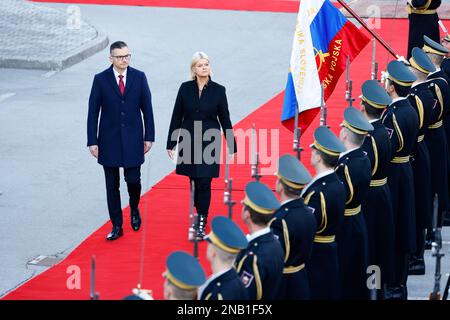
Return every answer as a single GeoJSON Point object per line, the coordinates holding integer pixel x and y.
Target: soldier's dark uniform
{"type": "Point", "coordinates": [354, 170]}
{"type": "Point", "coordinates": [295, 226]}
{"type": "Point", "coordinates": [423, 20]}
{"type": "Point", "coordinates": [402, 123]}
{"type": "Point", "coordinates": [377, 206]}
{"type": "Point", "coordinates": [227, 285]}
{"type": "Point", "coordinates": [423, 103]}
{"type": "Point", "coordinates": [437, 138]}
{"type": "Point", "coordinates": [445, 65]}
{"type": "Point", "coordinates": [326, 194]}
{"type": "Point", "coordinates": [260, 265]}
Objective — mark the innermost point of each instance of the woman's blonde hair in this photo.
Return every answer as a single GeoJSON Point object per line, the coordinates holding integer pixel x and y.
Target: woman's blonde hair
{"type": "Point", "coordinates": [196, 58]}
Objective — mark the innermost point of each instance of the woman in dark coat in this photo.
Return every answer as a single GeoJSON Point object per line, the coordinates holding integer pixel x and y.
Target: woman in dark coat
{"type": "Point", "coordinates": [200, 111]}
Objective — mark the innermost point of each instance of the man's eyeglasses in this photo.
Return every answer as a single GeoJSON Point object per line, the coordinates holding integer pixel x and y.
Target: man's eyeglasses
{"type": "Point", "coordinates": [126, 57]}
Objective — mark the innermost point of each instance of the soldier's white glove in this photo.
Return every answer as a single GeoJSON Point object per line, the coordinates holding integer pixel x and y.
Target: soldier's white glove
{"type": "Point", "coordinates": [143, 294]}
{"type": "Point", "coordinates": [402, 59]}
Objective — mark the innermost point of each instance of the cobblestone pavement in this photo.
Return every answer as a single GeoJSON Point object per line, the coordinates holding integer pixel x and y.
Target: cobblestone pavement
{"type": "Point", "coordinates": [34, 36]}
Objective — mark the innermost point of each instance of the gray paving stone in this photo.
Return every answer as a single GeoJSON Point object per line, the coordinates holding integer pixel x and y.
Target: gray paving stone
{"type": "Point", "coordinates": [34, 36]}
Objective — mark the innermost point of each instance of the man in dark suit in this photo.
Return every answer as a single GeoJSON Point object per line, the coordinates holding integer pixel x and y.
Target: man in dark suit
{"type": "Point", "coordinates": [295, 226]}
{"type": "Point", "coordinates": [121, 93]}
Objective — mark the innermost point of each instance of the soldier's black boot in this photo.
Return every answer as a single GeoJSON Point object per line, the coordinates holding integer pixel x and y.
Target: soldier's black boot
{"type": "Point", "coordinates": [416, 265]}
{"type": "Point", "coordinates": [201, 226]}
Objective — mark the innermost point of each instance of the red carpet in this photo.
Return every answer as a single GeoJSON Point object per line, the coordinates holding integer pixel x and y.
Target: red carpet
{"type": "Point", "coordinates": [166, 205]}
{"type": "Point", "coordinates": [244, 5]}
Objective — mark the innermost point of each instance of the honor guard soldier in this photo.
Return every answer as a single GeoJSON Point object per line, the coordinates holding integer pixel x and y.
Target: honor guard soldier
{"type": "Point", "coordinates": [377, 206]}
{"type": "Point", "coordinates": [326, 195]}
{"type": "Point", "coordinates": [423, 20]}
{"type": "Point", "coordinates": [439, 85]}
{"type": "Point", "coordinates": [402, 123]}
{"type": "Point", "coordinates": [260, 265]}
{"type": "Point", "coordinates": [423, 102]}
{"type": "Point", "coordinates": [445, 65]}
{"type": "Point", "coordinates": [295, 226]}
{"type": "Point", "coordinates": [184, 275]}
{"type": "Point", "coordinates": [225, 241]}
{"type": "Point", "coordinates": [437, 53]}
{"type": "Point", "coordinates": [354, 170]}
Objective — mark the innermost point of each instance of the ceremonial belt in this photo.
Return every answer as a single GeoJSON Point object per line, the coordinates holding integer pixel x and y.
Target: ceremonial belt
{"type": "Point", "coordinates": [378, 183]}
{"type": "Point", "coordinates": [289, 270]}
{"type": "Point", "coordinates": [436, 125]}
{"type": "Point", "coordinates": [400, 160]}
{"type": "Point", "coordinates": [352, 212]}
{"type": "Point", "coordinates": [410, 10]}
{"type": "Point", "coordinates": [420, 138]}
{"type": "Point", "coordinates": [324, 239]}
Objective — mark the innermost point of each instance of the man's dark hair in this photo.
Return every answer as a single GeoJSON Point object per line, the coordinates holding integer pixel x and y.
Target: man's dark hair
{"type": "Point", "coordinates": [117, 45]}
{"type": "Point", "coordinates": [371, 111]}
{"type": "Point", "coordinates": [401, 91]}
{"type": "Point", "coordinates": [259, 218]}
{"type": "Point", "coordinates": [291, 192]}
{"type": "Point", "coordinates": [329, 160]}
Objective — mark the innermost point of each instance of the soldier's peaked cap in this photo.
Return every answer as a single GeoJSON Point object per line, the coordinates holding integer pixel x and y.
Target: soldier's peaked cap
{"type": "Point", "coordinates": [184, 271]}
{"type": "Point", "coordinates": [399, 73]}
{"type": "Point", "coordinates": [260, 198]}
{"type": "Point", "coordinates": [420, 60]}
{"type": "Point", "coordinates": [431, 46]}
{"type": "Point", "coordinates": [292, 172]}
{"type": "Point", "coordinates": [226, 235]}
{"type": "Point", "coordinates": [355, 121]}
{"type": "Point", "coordinates": [327, 142]}
{"type": "Point", "coordinates": [374, 95]}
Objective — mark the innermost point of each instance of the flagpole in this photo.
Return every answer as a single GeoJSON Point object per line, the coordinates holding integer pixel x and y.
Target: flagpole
{"type": "Point", "coordinates": [376, 36]}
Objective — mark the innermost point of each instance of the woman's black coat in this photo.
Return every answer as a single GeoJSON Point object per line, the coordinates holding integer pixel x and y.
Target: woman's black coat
{"type": "Point", "coordinates": [210, 111]}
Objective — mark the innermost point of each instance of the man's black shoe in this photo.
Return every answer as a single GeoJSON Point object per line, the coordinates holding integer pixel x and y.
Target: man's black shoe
{"type": "Point", "coordinates": [115, 233]}
{"type": "Point", "coordinates": [393, 293]}
{"type": "Point", "coordinates": [416, 267]}
{"type": "Point", "coordinates": [135, 219]}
